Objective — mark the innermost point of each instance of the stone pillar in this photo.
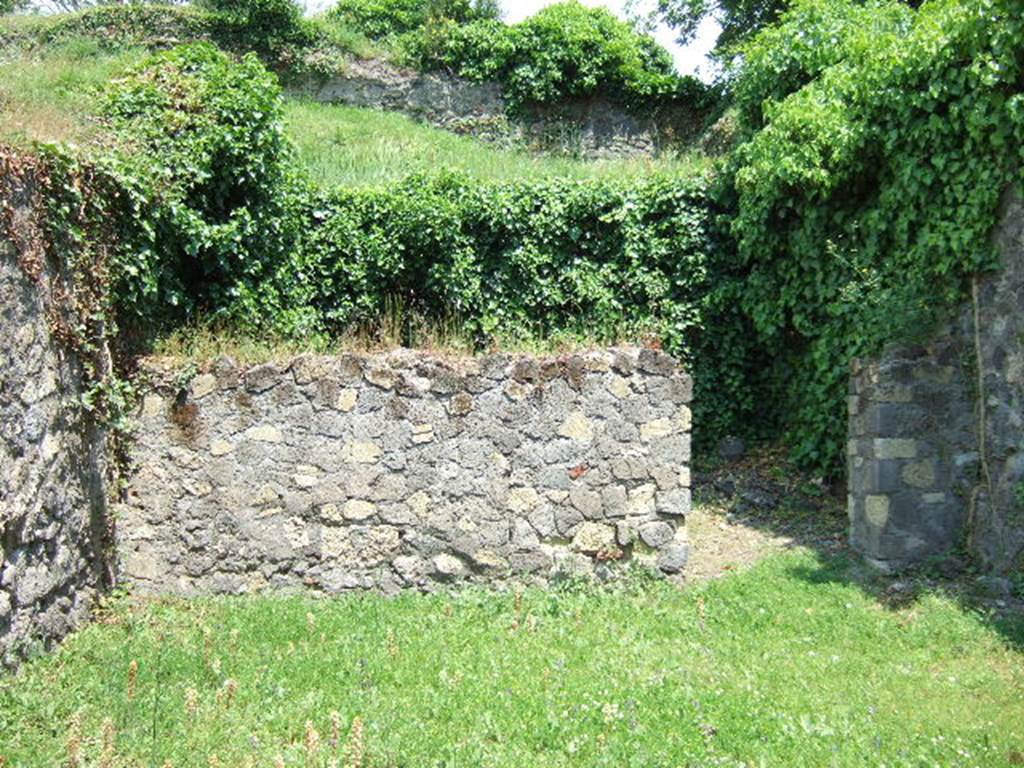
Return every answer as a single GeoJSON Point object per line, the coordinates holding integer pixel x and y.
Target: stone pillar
{"type": "Point", "coordinates": [907, 412]}
{"type": "Point", "coordinates": [936, 432]}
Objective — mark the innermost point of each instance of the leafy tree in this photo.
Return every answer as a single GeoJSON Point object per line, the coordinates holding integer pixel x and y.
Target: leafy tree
{"type": "Point", "coordinates": [739, 18]}
{"type": "Point", "coordinates": [270, 28]}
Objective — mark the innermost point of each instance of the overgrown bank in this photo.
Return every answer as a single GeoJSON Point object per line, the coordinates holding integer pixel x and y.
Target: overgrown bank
{"type": "Point", "coordinates": [849, 215]}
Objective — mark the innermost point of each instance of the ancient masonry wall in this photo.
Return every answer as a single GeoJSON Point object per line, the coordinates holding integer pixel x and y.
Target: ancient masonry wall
{"type": "Point", "coordinates": [52, 494]}
{"type": "Point", "coordinates": [407, 471]}
{"type": "Point", "coordinates": [936, 451]}
{"type": "Point", "coordinates": [592, 128]}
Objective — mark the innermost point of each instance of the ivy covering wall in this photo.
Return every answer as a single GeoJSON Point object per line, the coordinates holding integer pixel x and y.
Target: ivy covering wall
{"type": "Point", "coordinates": [875, 143]}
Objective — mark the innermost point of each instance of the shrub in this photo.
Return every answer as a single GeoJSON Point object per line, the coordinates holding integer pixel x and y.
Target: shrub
{"type": "Point", "coordinates": [564, 51]}
{"type": "Point", "coordinates": [517, 260]}
{"type": "Point", "coordinates": [273, 29]}
{"type": "Point", "coordinates": [378, 19]}
{"type": "Point", "coordinates": [205, 154]}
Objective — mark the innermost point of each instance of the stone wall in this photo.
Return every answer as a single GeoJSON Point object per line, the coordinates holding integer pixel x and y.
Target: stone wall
{"type": "Point", "coordinates": [407, 471]}
{"type": "Point", "coordinates": [933, 464]}
{"type": "Point", "coordinates": [52, 496]}
{"type": "Point", "coordinates": [593, 128]}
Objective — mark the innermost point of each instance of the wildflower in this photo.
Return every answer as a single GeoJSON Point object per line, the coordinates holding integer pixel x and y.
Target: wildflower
{"type": "Point", "coordinates": [191, 702]}
{"type": "Point", "coordinates": [230, 689]}
{"type": "Point", "coordinates": [312, 743]}
{"type": "Point", "coordinates": [73, 745]}
{"type": "Point", "coordinates": [392, 644]}
{"type": "Point", "coordinates": [335, 730]}
{"type": "Point", "coordinates": [354, 748]}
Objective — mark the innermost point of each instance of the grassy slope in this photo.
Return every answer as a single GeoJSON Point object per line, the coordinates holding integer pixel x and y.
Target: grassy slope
{"type": "Point", "coordinates": [50, 95]}
{"type": "Point", "coordinates": [785, 665]}
{"type": "Point", "coordinates": [358, 147]}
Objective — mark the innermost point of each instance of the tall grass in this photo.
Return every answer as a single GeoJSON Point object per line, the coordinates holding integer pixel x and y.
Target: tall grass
{"type": "Point", "coordinates": [397, 326]}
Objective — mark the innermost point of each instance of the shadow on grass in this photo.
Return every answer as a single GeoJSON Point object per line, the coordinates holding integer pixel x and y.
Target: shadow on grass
{"type": "Point", "coordinates": [1003, 614]}
{"type": "Point", "coordinates": [764, 492]}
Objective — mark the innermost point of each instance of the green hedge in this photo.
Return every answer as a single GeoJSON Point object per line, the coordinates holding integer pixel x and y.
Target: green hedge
{"type": "Point", "coordinates": [382, 19]}
{"type": "Point", "coordinates": [521, 260]}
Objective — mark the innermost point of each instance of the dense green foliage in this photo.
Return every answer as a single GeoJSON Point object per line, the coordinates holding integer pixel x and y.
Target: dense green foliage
{"type": "Point", "coordinates": [379, 19]}
{"type": "Point", "coordinates": [523, 260]}
{"type": "Point", "coordinates": [601, 257]}
{"type": "Point", "coordinates": [643, 674]}
{"type": "Point", "coordinates": [875, 144]}
{"type": "Point", "coordinates": [881, 140]}
{"type": "Point", "coordinates": [10, 6]}
{"type": "Point", "coordinates": [565, 51]}
{"type": "Point", "coordinates": [203, 143]}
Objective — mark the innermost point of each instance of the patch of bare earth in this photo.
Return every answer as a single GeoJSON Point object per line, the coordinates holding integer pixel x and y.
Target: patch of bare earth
{"type": "Point", "coordinates": [746, 510]}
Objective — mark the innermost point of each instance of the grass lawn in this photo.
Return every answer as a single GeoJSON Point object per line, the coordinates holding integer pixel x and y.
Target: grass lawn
{"type": "Point", "coordinates": [787, 664]}
{"type": "Point", "coordinates": [350, 146]}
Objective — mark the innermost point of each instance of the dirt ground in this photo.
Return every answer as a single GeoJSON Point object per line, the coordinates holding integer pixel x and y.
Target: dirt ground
{"type": "Point", "coordinates": [746, 510]}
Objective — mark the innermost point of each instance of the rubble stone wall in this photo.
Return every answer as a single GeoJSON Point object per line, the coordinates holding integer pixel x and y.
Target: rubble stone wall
{"type": "Point", "coordinates": [936, 451]}
{"type": "Point", "coordinates": [591, 128]}
{"type": "Point", "coordinates": [52, 490]}
{"type": "Point", "coordinates": [407, 471]}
